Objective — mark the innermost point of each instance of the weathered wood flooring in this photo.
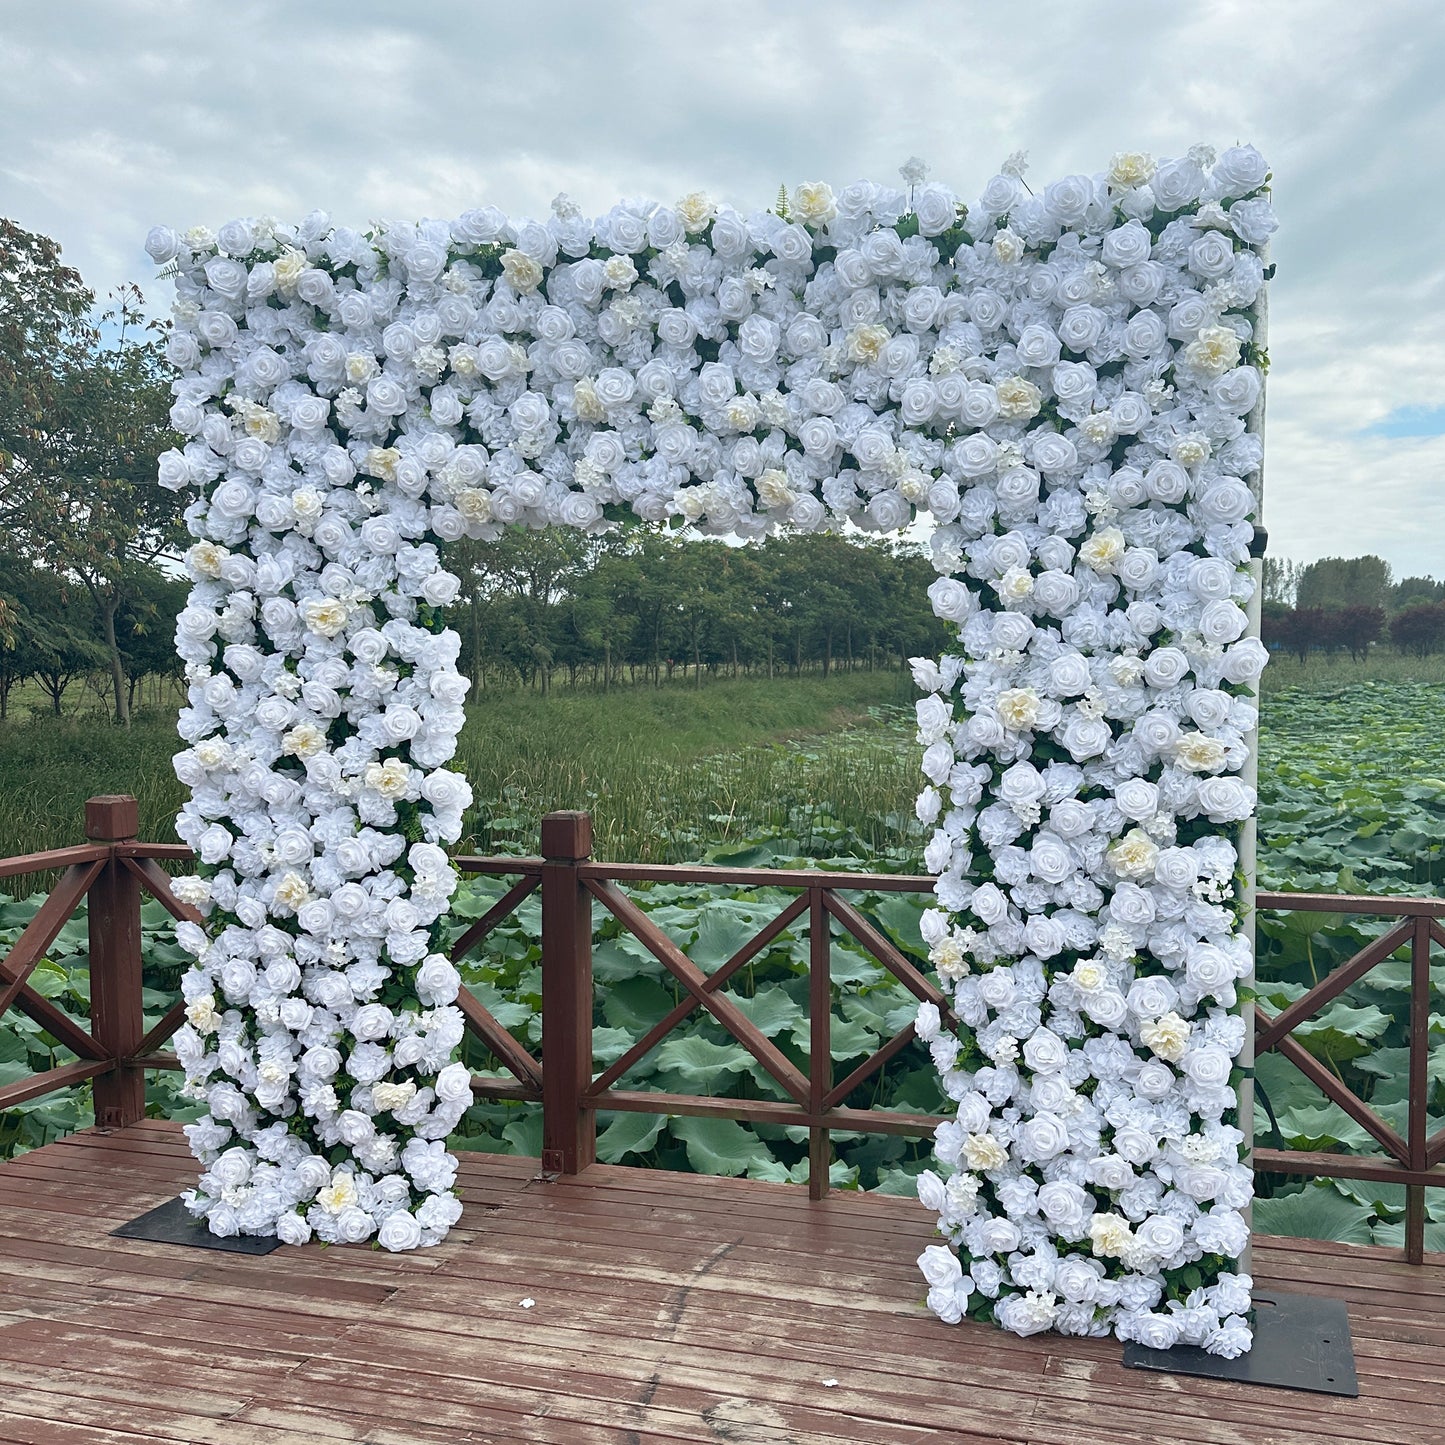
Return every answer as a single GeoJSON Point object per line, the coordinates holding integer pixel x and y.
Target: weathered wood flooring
{"type": "Point", "coordinates": [665, 1307]}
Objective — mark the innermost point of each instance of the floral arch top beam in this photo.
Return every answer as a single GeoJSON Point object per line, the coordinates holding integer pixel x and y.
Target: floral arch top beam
{"type": "Point", "coordinates": [1062, 379]}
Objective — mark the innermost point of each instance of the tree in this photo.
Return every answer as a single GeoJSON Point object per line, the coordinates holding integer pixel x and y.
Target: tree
{"type": "Point", "coordinates": [1412, 590]}
{"type": "Point", "coordinates": [1281, 580]}
{"type": "Point", "coordinates": [83, 416]}
{"type": "Point", "coordinates": [1358, 627]}
{"type": "Point", "coordinates": [47, 634]}
{"type": "Point", "coordinates": [1419, 629]}
{"type": "Point", "coordinates": [1345, 582]}
{"type": "Point", "coordinates": [146, 627]}
{"type": "Point", "coordinates": [1298, 630]}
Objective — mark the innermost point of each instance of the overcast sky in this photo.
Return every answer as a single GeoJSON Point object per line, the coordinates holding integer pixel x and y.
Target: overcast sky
{"type": "Point", "coordinates": [118, 114]}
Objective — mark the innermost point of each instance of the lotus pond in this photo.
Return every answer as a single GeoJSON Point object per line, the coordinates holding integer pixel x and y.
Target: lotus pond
{"type": "Point", "coordinates": [1352, 798]}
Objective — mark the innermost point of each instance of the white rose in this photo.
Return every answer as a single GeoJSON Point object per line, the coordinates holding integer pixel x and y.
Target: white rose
{"type": "Point", "coordinates": [813, 204]}
{"type": "Point", "coordinates": [1038, 346]}
{"type": "Point", "coordinates": [1161, 1235]}
{"type": "Point", "coordinates": [1239, 170]}
{"type": "Point", "coordinates": [399, 1231]}
{"type": "Point", "coordinates": [1134, 855]}
{"type": "Point", "coordinates": [1043, 1137]}
{"type": "Point", "coordinates": [1225, 800]}
{"type": "Point", "coordinates": [1127, 245]}
{"type": "Point", "coordinates": [1213, 352]}
{"type": "Point", "coordinates": [454, 1084]}
{"type": "Point", "coordinates": [1167, 1036]}
{"type": "Point", "coordinates": [1068, 200]}
{"type": "Point", "coordinates": [952, 600]}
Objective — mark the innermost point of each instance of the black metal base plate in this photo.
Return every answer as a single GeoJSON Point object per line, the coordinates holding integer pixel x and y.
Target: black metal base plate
{"type": "Point", "coordinates": [173, 1223]}
{"type": "Point", "coordinates": [1301, 1342]}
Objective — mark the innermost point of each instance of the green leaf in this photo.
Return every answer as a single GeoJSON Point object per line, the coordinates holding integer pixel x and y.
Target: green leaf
{"type": "Point", "coordinates": [1391, 1234]}
{"type": "Point", "coordinates": [628, 1134]}
{"type": "Point", "coordinates": [617, 959]}
{"type": "Point", "coordinates": [12, 1047]}
{"type": "Point", "coordinates": [480, 1144]}
{"type": "Point", "coordinates": [723, 928]}
{"type": "Point", "coordinates": [902, 1181]}
{"type": "Point", "coordinates": [1394, 1064]}
{"type": "Point", "coordinates": [1381, 1198]}
{"type": "Point", "coordinates": [720, 1146]}
{"type": "Point", "coordinates": [1323, 1127]}
{"type": "Point", "coordinates": [852, 967]}
{"type": "Point", "coordinates": [49, 979]}
{"type": "Point", "coordinates": [701, 1063]}
{"type": "Point", "coordinates": [900, 916]}
{"type": "Point", "coordinates": [770, 1010]}
{"type": "Point", "coordinates": [847, 1039]}
{"type": "Point", "coordinates": [1315, 1212]}
{"type": "Point", "coordinates": [635, 1004]}
{"type": "Point", "coordinates": [525, 1134]}
{"type": "Point", "coordinates": [609, 1045]}
{"type": "Point", "coordinates": [1342, 1033]}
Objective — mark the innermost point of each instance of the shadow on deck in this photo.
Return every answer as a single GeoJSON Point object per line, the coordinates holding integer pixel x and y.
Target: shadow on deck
{"type": "Point", "coordinates": [665, 1307]}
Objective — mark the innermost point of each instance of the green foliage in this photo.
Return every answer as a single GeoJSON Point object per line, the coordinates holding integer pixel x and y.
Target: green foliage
{"type": "Point", "coordinates": [1352, 789]}
{"type": "Point", "coordinates": [1352, 799]}
{"type": "Point", "coordinates": [643, 603]}
{"type": "Point", "coordinates": [1345, 582]}
{"type": "Point", "coordinates": [83, 416]}
{"type": "Point", "coordinates": [1314, 1213]}
{"type": "Point", "coordinates": [1352, 786]}
{"type": "Point", "coordinates": [665, 772]}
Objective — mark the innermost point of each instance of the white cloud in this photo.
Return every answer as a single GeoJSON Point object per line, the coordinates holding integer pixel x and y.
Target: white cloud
{"type": "Point", "coordinates": [122, 113]}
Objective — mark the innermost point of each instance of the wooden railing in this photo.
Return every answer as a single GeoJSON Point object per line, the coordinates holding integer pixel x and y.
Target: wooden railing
{"type": "Point", "coordinates": [571, 883]}
{"type": "Point", "coordinates": [1413, 1160]}
{"type": "Point", "coordinates": [113, 871]}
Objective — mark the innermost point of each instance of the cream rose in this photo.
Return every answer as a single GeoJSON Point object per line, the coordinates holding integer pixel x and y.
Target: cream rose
{"type": "Point", "coordinates": [1168, 1037]}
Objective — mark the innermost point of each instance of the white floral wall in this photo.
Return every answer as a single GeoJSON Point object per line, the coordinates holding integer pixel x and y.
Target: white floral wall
{"type": "Point", "coordinates": [1062, 379]}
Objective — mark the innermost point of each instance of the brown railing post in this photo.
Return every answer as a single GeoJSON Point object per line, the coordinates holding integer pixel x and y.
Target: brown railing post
{"type": "Point", "coordinates": [1417, 1121]}
{"type": "Point", "coordinates": [117, 1020]}
{"type": "Point", "coordinates": [569, 1131]}
{"type": "Point", "coordinates": [820, 1038]}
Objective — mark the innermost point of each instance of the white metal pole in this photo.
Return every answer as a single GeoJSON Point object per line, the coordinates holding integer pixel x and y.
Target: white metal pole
{"type": "Point", "coordinates": [1249, 831]}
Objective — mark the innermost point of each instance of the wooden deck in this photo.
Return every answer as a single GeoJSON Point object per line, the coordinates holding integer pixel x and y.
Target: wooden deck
{"type": "Point", "coordinates": [664, 1307]}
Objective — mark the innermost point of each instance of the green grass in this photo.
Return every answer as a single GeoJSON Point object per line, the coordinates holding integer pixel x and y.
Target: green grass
{"type": "Point", "coordinates": [665, 772]}
{"type": "Point", "coordinates": [1325, 674]}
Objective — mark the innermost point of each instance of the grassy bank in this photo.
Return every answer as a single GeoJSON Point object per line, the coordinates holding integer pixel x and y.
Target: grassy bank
{"type": "Point", "coordinates": [1325, 674]}
{"type": "Point", "coordinates": [664, 771]}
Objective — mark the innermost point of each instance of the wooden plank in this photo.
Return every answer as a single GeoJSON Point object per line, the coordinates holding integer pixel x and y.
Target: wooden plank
{"type": "Point", "coordinates": [56, 858]}
{"type": "Point", "coordinates": [157, 882]}
{"type": "Point", "coordinates": [37, 935]}
{"type": "Point", "coordinates": [784, 878]}
{"type": "Point", "coordinates": [1375, 906]}
{"type": "Point", "coordinates": [665, 1307]}
{"type": "Point", "coordinates": [61, 1077]}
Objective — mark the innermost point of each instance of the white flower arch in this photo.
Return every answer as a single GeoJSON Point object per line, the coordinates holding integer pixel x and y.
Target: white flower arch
{"type": "Point", "coordinates": [1061, 379]}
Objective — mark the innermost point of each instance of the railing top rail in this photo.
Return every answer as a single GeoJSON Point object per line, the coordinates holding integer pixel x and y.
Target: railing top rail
{"type": "Point", "coordinates": [1266, 900]}
{"type": "Point", "coordinates": [797, 878]}
{"type": "Point", "coordinates": [1382, 906]}
{"type": "Point", "coordinates": [709, 873]}
{"type": "Point", "coordinates": [173, 852]}
{"type": "Point", "coordinates": [53, 858]}
{"type": "Point", "coordinates": [521, 867]}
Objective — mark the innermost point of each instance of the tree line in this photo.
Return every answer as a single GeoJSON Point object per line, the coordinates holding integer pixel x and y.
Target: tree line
{"type": "Point", "coordinates": [640, 606]}
{"type": "Point", "coordinates": [1350, 604]}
